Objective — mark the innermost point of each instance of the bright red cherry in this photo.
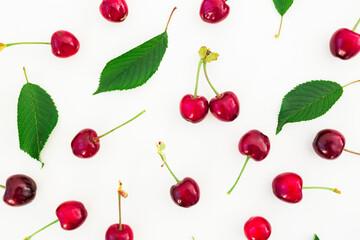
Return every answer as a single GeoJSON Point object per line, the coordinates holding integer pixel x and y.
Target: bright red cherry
{"type": "Point", "coordinates": [257, 228]}
{"type": "Point", "coordinates": [214, 11]}
{"type": "Point", "coordinates": [19, 190]}
{"type": "Point", "coordinates": [185, 193]}
{"type": "Point", "coordinates": [329, 144]}
{"type": "Point", "coordinates": [254, 144]}
{"type": "Point", "coordinates": [114, 10]}
{"type": "Point", "coordinates": [194, 109]}
{"type": "Point", "coordinates": [288, 187]}
{"type": "Point", "coordinates": [225, 107]}
{"type": "Point", "coordinates": [64, 44]}
{"type": "Point", "coordinates": [87, 143]}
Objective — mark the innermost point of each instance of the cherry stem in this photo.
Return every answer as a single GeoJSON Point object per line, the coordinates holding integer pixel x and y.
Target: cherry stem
{"type": "Point", "coordinates": [242, 170]}
{"type": "Point", "coordinates": [197, 78]}
{"type": "Point", "coordinates": [281, 21]}
{"type": "Point", "coordinates": [351, 83]}
{"type": "Point", "coordinates": [208, 80]}
{"type": "Point", "coordinates": [356, 25]}
{"type": "Point", "coordinates": [120, 194]}
{"type": "Point", "coordinates": [170, 18]}
{"type": "Point", "coordinates": [27, 80]}
{"type": "Point", "coordinates": [346, 150]}
{"type": "Point", "coordinates": [163, 158]}
{"type": "Point", "coordinates": [23, 43]}
{"type": "Point", "coordinates": [335, 190]}
{"type": "Point", "coordinates": [2, 186]}
{"type": "Point", "coordinates": [28, 238]}
{"type": "Point", "coordinates": [97, 138]}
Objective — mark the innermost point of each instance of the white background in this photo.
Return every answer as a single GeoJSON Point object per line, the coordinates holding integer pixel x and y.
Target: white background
{"type": "Point", "coordinates": [257, 67]}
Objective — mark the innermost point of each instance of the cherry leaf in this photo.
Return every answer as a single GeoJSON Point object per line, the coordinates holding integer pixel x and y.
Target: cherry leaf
{"type": "Point", "coordinates": [282, 6]}
{"type": "Point", "coordinates": [308, 101]}
{"type": "Point", "coordinates": [316, 237]}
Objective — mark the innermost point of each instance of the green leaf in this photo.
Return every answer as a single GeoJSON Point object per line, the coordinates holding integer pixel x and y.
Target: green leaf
{"type": "Point", "coordinates": [36, 117]}
{"type": "Point", "coordinates": [282, 6]}
{"type": "Point", "coordinates": [308, 101]}
{"type": "Point", "coordinates": [316, 237]}
{"type": "Point", "coordinates": [135, 67]}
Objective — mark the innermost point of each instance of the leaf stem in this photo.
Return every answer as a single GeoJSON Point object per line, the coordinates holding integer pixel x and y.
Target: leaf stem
{"type": "Point", "coordinates": [356, 25]}
{"type": "Point", "coordinates": [2, 186]}
{"type": "Point", "coordinates": [351, 83]}
{"type": "Point", "coordinates": [28, 238]}
{"type": "Point", "coordinates": [208, 80]}
{"type": "Point", "coordinates": [335, 190]}
{"type": "Point", "coordinates": [346, 150]}
{"type": "Point", "coordinates": [167, 25]}
{"type": "Point", "coordinates": [27, 80]}
{"type": "Point", "coordinates": [197, 78]}
{"type": "Point", "coordinates": [281, 21]}
{"type": "Point", "coordinates": [163, 158]}
{"type": "Point", "coordinates": [237, 180]}
{"type": "Point", "coordinates": [120, 125]}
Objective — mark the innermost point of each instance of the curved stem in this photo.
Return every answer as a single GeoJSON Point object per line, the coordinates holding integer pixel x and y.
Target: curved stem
{"type": "Point", "coordinates": [2, 186]}
{"type": "Point", "coordinates": [28, 238]}
{"type": "Point", "coordinates": [281, 21]}
{"type": "Point", "coordinates": [23, 43]}
{"type": "Point", "coordinates": [335, 190]}
{"type": "Point", "coordinates": [346, 150]}
{"type": "Point", "coordinates": [170, 18]}
{"type": "Point", "coordinates": [27, 80]}
{"type": "Point", "coordinates": [208, 80]}
{"type": "Point", "coordinates": [356, 25]}
{"type": "Point", "coordinates": [163, 158]}
{"type": "Point", "coordinates": [120, 125]}
{"type": "Point", "coordinates": [351, 83]}
{"type": "Point", "coordinates": [242, 170]}
{"type": "Point", "coordinates": [197, 78]}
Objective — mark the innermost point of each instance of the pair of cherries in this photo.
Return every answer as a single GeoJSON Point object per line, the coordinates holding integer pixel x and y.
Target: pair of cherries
{"type": "Point", "coordinates": [224, 106]}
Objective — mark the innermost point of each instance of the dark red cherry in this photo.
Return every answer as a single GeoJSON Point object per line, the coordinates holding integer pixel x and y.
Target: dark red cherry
{"type": "Point", "coordinates": [254, 144]}
{"type": "Point", "coordinates": [71, 214]}
{"type": "Point", "coordinates": [194, 109]}
{"type": "Point", "coordinates": [257, 228]}
{"type": "Point", "coordinates": [225, 107]}
{"type": "Point", "coordinates": [214, 11]}
{"type": "Point", "coordinates": [19, 190]}
{"type": "Point", "coordinates": [345, 44]}
{"type": "Point", "coordinates": [288, 187]}
{"type": "Point", "coordinates": [85, 144]}
{"type": "Point", "coordinates": [185, 193]}
{"type": "Point", "coordinates": [329, 144]}
{"type": "Point", "coordinates": [64, 44]}
{"type": "Point", "coordinates": [114, 233]}
{"type": "Point", "coordinates": [114, 10]}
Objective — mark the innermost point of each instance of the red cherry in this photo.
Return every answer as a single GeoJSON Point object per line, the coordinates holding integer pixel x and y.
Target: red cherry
{"type": "Point", "coordinates": [71, 214]}
{"type": "Point", "coordinates": [225, 107]}
{"type": "Point", "coordinates": [19, 190]}
{"type": "Point", "coordinates": [257, 228]}
{"type": "Point", "coordinates": [64, 44]}
{"type": "Point", "coordinates": [185, 193]}
{"type": "Point", "coordinates": [345, 44]}
{"type": "Point", "coordinates": [85, 144]}
{"type": "Point", "coordinates": [114, 10]}
{"type": "Point", "coordinates": [329, 144]}
{"type": "Point", "coordinates": [113, 232]}
{"type": "Point", "coordinates": [288, 187]}
{"type": "Point", "coordinates": [214, 11]}
{"type": "Point", "coordinates": [194, 109]}
{"type": "Point", "coordinates": [254, 144]}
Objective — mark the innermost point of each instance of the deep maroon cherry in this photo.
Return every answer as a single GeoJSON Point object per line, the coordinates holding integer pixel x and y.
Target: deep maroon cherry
{"type": "Point", "coordinates": [64, 44]}
{"type": "Point", "coordinates": [114, 10]}
{"type": "Point", "coordinates": [87, 143]}
{"type": "Point", "coordinates": [288, 187]}
{"type": "Point", "coordinates": [19, 190]}
{"type": "Point", "coordinates": [345, 43]}
{"type": "Point", "coordinates": [329, 144]}
{"type": "Point", "coordinates": [184, 193]}
{"type": "Point", "coordinates": [225, 107]}
{"type": "Point", "coordinates": [194, 109]}
{"type": "Point", "coordinates": [70, 214]}
{"type": "Point", "coordinates": [254, 144]}
{"type": "Point", "coordinates": [214, 11]}
{"type": "Point", "coordinates": [257, 228]}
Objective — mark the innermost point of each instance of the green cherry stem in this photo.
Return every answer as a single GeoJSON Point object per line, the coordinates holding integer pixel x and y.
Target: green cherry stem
{"type": "Point", "coordinates": [121, 193]}
{"type": "Point", "coordinates": [161, 147]}
{"type": "Point", "coordinates": [24, 43]}
{"type": "Point", "coordinates": [167, 25]}
{"type": "Point", "coordinates": [278, 34]}
{"type": "Point", "coordinates": [242, 170]}
{"type": "Point", "coordinates": [356, 25]}
{"type": "Point", "coordinates": [208, 80]}
{"type": "Point", "coordinates": [197, 78]}
{"type": "Point", "coordinates": [28, 238]}
{"type": "Point", "coordinates": [346, 150]}
{"type": "Point", "coordinates": [97, 138]}
{"type": "Point", "coordinates": [2, 186]}
{"type": "Point", "coordinates": [351, 83]}
{"type": "Point", "coordinates": [335, 190]}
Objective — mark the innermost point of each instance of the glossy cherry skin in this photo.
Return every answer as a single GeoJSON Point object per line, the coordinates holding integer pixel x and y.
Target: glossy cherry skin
{"type": "Point", "coordinates": [71, 214]}
{"type": "Point", "coordinates": [226, 107]}
{"type": "Point", "coordinates": [64, 44]}
{"type": "Point", "coordinates": [329, 144]}
{"type": "Point", "coordinates": [84, 144]}
{"type": "Point", "coordinates": [345, 43]}
{"type": "Point", "coordinates": [254, 144]}
{"type": "Point", "coordinates": [186, 193]}
{"type": "Point", "coordinates": [114, 10]}
{"type": "Point", "coordinates": [257, 228]}
{"type": "Point", "coordinates": [214, 11]}
{"type": "Point", "coordinates": [288, 187]}
{"type": "Point", "coordinates": [113, 233]}
{"type": "Point", "coordinates": [20, 190]}
{"type": "Point", "coordinates": [194, 109]}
